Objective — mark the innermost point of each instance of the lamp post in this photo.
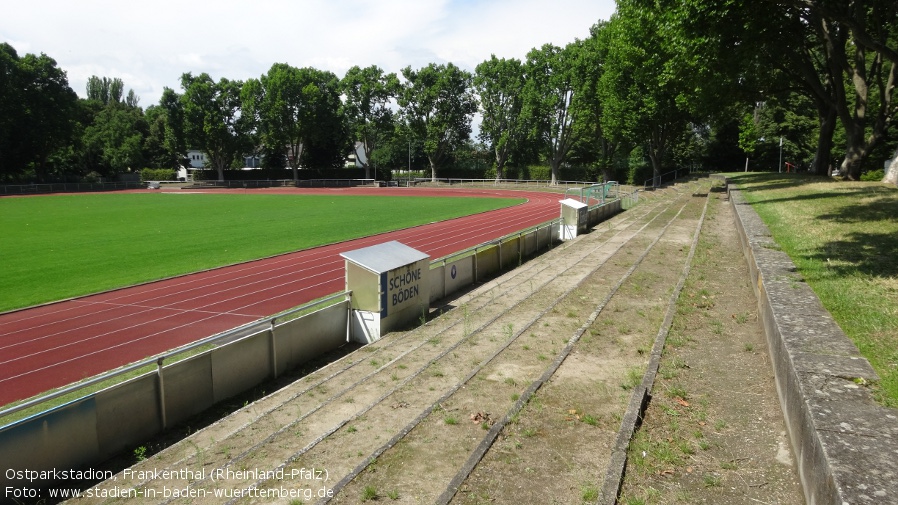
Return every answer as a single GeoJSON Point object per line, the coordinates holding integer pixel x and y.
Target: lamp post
{"type": "Point", "coordinates": [781, 155]}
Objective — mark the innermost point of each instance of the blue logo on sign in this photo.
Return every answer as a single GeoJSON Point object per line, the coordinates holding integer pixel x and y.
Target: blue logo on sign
{"type": "Point", "coordinates": [453, 272]}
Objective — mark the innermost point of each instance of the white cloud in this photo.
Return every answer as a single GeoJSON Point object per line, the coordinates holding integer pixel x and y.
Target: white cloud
{"type": "Point", "coordinates": [150, 44]}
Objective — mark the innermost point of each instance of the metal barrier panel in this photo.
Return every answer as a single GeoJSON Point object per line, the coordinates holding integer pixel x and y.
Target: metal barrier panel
{"type": "Point", "coordinates": [511, 253]}
{"type": "Point", "coordinates": [546, 237]}
{"type": "Point", "coordinates": [137, 403]}
{"type": "Point", "coordinates": [458, 274]}
{"type": "Point", "coordinates": [311, 336]}
{"type": "Point", "coordinates": [187, 387]}
{"type": "Point", "coordinates": [487, 261]}
{"type": "Point", "coordinates": [438, 282]}
{"type": "Point", "coordinates": [615, 208]}
{"type": "Point", "coordinates": [240, 365]}
{"type": "Point", "coordinates": [64, 437]}
{"type": "Point", "coordinates": [528, 243]}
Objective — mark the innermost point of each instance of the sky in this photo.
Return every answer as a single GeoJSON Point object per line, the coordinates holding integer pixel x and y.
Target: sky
{"type": "Point", "coordinates": [150, 44]}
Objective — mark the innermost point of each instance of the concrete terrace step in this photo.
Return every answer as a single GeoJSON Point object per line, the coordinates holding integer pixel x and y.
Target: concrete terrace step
{"type": "Point", "coordinates": [402, 411]}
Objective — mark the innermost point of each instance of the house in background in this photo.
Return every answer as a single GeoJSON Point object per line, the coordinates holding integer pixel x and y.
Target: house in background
{"type": "Point", "coordinates": [357, 159]}
{"type": "Point", "coordinates": [197, 158]}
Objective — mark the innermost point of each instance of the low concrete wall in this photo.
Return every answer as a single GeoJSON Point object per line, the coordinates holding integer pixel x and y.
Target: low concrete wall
{"type": "Point", "coordinates": [846, 445]}
{"type": "Point", "coordinates": [119, 418]}
{"type": "Point", "coordinates": [451, 274]}
{"type": "Point", "coordinates": [116, 404]}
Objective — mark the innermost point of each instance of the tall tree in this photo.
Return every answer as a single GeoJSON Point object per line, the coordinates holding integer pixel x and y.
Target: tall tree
{"type": "Point", "coordinates": [113, 139]}
{"type": "Point", "coordinates": [861, 41]}
{"type": "Point", "coordinates": [164, 145]}
{"type": "Point", "coordinates": [841, 55]}
{"type": "Point", "coordinates": [369, 93]}
{"type": "Point", "coordinates": [647, 85]}
{"type": "Point", "coordinates": [437, 104]}
{"type": "Point", "coordinates": [117, 134]}
{"type": "Point", "coordinates": [329, 139]}
{"type": "Point", "coordinates": [551, 100]}
{"type": "Point", "coordinates": [175, 144]}
{"type": "Point", "coordinates": [499, 83]}
{"type": "Point", "coordinates": [38, 115]}
{"type": "Point", "coordinates": [595, 146]}
{"type": "Point", "coordinates": [12, 156]}
{"type": "Point", "coordinates": [104, 89]}
{"type": "Point", "coordinates": [213, 121]}
{"type": "Point", "coordinates": [295, 108]}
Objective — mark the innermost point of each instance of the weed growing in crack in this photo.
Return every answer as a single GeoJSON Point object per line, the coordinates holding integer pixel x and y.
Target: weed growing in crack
{"type": "Point", "coordinates": [633, 378]}
{"type": "Point", "coordinates": [589, 493]}
{"type": "Point", "coordinates": [590, 420]}
{"type": "Point", "coordinates": [370, 493]}
{"type": "Point", "coordinates": [711, 480]}
{"type": "Point", "coordinates": [677, 391]}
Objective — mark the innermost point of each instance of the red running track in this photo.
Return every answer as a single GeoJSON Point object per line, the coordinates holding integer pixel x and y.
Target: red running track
{"type": "Point", "coordinates": [53, 345]}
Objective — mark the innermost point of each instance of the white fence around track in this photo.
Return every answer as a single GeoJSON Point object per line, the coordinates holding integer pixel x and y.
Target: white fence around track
{"type": "Point", "coordinates": [503, 183]}
{"type": "Point", "coordinates": [120, 417]}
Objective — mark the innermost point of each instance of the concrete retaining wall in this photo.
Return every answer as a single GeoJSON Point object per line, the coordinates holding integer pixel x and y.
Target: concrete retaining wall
{"type": "Point", "coordinates": [846, 445]}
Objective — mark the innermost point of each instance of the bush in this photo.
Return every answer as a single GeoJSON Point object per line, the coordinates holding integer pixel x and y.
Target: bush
{"type": "Point", "coordinates": [157, 174]}
{"type": "Point", "coordinates": [537, 173]}
{"type": "Point", "coordinates": [873, 175]}
{"type": "Point", "coordinates": [92, 177]}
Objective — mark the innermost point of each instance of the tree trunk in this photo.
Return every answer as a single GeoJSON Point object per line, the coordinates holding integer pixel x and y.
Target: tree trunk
{"type": "Point", "coordinates": [501, 157]}
{"type": "Point", "coordinates": [367, 152]}
{"type": "Point", "coordinates": [656, 168]}
{"type": "Point", "coordinates": [855, 152]}
{"type": "Point", "coordinates": [822, 157]}
{"type": "Point", "coordinates": [295, 150]}
{"type": "Point", "coordinates": [657, 151]}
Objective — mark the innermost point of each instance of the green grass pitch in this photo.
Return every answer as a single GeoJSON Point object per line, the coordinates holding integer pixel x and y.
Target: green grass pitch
{"type": "Point", "coordinates": [60, 246]}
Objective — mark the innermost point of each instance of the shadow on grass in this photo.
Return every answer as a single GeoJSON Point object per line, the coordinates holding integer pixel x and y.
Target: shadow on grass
{"type": "Point", "coordinates": [870, 254]}
{"type": "Point", "coordinates": [868, 216]}
{"type": "Point", "coordinates": [767, 181]}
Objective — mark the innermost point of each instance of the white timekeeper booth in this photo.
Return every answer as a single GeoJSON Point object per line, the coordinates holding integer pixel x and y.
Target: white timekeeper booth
{"type": "Point", "coordinates": [574, 218]}
{"type": "Point", "coordinates": [390, 288]}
